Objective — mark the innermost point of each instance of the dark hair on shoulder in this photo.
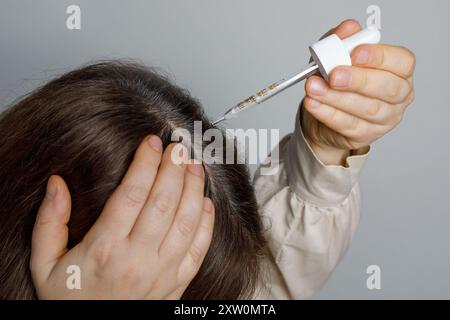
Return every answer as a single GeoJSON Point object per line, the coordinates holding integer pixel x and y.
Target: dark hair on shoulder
{"type": "Point", "coordinates": [85, 126]}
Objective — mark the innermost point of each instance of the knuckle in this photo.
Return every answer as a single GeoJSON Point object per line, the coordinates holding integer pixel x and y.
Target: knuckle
{"type": "Point", "coordinates": [135, 195]}
{"type": "Point", "coordinates": [354, 122]}
{"type": "Point", "coordinates": [332, 114]}
{"type": "Point", "coordinates": [378, 132]}
{"type": "Point", "coordinates": [186, 226]}
{"type": "Point", "coordinates": [101, 253]}
{"type": "Point", "coordinates": [410, 93]}
{"type": "Point", "coordinates": [412, 97]}
{"type": "Point", "coordinates": [409, 62]}
{"type": "Point", "coordinates": [196, 253]}
{"type": "Point", "coordinates": [398, 118]}
{"type": "Point", "coordinates": [362, 83]}
{"type": "Point", "coordinates": [130, 276]}
{"type": "Point", "coordinates": [408, 86]}
{"type": "Point", "coordinates": [359, 133]}
{"type": "Point", "coordinates": [198, 185]}
{"type": "Point", "coordinates": [186, 274]}
{"type": "Point", "coordinates": [163, 204]}
{"type": "Point", "coordinates": [394, 91]}
{"type": "Point", "coordinates": [42, 220]}
{"type": "Point", "coordinates": [193, 207]}
{"type": "Point", "coordinates": [373, 110]}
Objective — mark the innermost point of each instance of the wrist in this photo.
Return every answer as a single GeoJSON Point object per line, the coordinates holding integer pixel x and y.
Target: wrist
{"type": "Point", "coordinates": [329, 155]}
{"type": "Point", "coordinates": [326, 149]}
{"type": "Point", "coordinates": [326, 153]}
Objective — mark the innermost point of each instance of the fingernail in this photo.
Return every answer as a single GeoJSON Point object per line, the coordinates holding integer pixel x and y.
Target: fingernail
{"type": "Point", "coordinates": [317, 87]}
{"type": "Point", "coordinates": [196, 169]}
{"type": "Point", "coordinates": [362, 56]}
{"type": "Point", "coordinates": [341, 78]}
{"type": "Point", "coordinates": [181, 151]}
{"type": "Point", "coordinates": [179, 155]}
{"type": "Point", "coordinates": [207, 205]}
{"type": "Point", "coordinates": [52, 189]}
{"type": "Point", "coordinates": [155, 143]}
{"type": "Point", "coordinates": [313, 103]}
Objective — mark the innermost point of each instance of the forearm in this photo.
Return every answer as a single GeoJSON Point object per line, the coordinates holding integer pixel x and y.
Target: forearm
{"type": "Point", "coordinates": [311, 211]}
{"type": "Point", "coordinates": [309, 223]}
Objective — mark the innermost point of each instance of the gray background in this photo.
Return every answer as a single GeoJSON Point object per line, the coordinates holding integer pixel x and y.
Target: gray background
{"type": "Point", "coordinates": [223, 50]}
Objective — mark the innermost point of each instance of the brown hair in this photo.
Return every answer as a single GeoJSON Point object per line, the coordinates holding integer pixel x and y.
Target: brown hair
{"type": "Point", "coordinates": [85, 127]}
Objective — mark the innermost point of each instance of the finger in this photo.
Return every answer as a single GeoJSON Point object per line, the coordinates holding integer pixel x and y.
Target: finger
{"type": "Point", "coordinates": [50, 232]}
{"type": "Point", "coordinates": [182, 231]}
{"type": "Point", "coordinates": [192, 261]}
{"type": "Point", "coordinates": [122, 209]}
{"type": "Point", "coordinates": [372, 83]}
{"type": "Point", "coordinates": [177, 294]}
{"type": "Point", "coordinates": [347, 125]}
{"type": "Point", "coordinates": [347, 28]}
{"type": "Point", "coordinates": [369, 109]}
{"type": "Point", "coordinates": [157, 215]}
{"type": "Point", "coordinates": [398, 60]}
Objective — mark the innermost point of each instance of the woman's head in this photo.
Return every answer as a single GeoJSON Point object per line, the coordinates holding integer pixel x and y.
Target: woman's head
{"type": "Point", "coordinates": [85, 127]}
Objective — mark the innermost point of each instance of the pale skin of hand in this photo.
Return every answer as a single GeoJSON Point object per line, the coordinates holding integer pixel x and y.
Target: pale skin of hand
{"type": "Point", "coordinates": [148, 243]}
{"type": "Point", "coordinates": [154, 232]}
{"type": "Point", "coordinates": [358, 104]}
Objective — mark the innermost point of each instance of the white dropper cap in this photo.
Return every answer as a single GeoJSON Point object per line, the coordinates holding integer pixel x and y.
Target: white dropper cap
{"type": "Point", "coordinates": [331, 52]}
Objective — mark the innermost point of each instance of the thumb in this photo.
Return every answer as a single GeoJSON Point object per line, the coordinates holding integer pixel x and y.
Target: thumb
{"type": "Point", "coordinates": [50, 232]}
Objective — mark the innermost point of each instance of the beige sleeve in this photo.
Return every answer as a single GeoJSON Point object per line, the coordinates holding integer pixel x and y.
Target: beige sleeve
{"type": "Point", "coordinates": [310, 213]}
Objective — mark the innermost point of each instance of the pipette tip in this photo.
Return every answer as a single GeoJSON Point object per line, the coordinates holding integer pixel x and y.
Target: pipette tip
{"type": "Point", "coordinates": [218, 121]}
